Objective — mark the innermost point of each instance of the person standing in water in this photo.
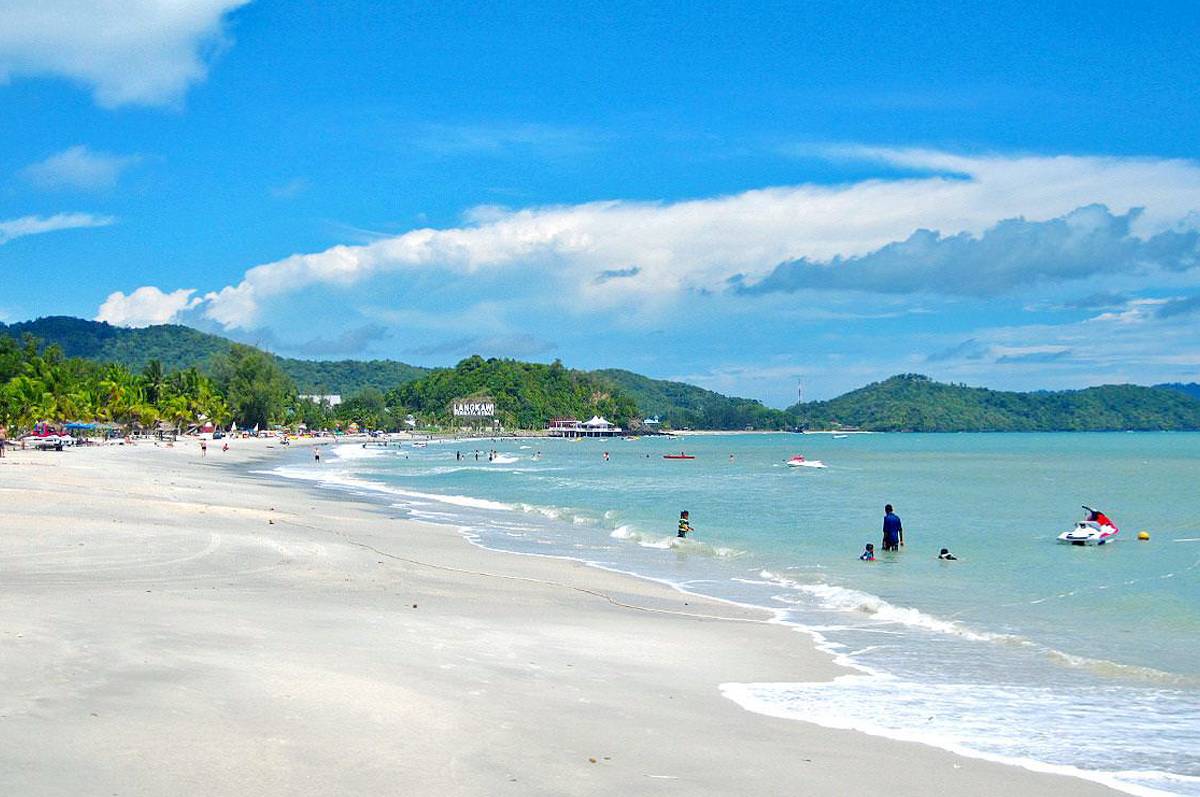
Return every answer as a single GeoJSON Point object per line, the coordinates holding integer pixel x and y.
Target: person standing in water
{"type": "Point", "coordinates": [684, 524]}
{"type": "Point", "coordinates": [316, 453]}
{"type": "Point", "coordinates": [893, 530]}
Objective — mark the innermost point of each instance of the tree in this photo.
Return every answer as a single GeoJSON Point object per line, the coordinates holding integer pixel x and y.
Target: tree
{"type": "Point", "coordinates": [256, 389]}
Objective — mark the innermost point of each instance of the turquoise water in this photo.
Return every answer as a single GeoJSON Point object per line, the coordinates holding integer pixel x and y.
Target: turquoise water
{"type": "Point", "coordinates": [1084, 658]}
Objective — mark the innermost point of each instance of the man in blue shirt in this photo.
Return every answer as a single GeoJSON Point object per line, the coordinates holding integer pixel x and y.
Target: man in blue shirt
{"type": "Point", "coordinates": [893, 531]}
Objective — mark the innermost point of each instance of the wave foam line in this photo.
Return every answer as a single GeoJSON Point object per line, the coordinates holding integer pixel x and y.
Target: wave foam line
{"type": "Point", "coordinates": [746, 695]}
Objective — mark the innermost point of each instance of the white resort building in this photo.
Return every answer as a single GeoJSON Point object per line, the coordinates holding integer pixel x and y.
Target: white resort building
{"type": "Point", "coordinates": [571, 427]}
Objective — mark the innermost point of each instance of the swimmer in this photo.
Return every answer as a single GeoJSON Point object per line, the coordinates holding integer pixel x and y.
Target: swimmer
{"type": "Point", "coordinates": [869, 554]}
{"type": "Point", "coordinates": [945, 554]}
{"type": "Point", "coordinates": [684, 524]}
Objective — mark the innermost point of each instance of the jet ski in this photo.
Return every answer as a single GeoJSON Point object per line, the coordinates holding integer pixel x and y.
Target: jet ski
{"type": "Point", "coordinates": [800, 462]}
{"type": "Point", "coordinates": [1088, 532]}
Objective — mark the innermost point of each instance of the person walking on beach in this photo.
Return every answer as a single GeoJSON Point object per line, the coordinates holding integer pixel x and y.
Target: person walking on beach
{"type": "Point", "coordinates": [684, 524]}
{"type": "Point", "coordinates": [893, 530]}
{"type": "Point", "coordinates": [203, 449]}
{"type": "Point", "coordinates": [3, 438]}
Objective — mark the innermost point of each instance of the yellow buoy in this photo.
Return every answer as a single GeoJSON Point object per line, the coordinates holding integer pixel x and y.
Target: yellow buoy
{"type": "Point", "coordinates": [1144, 536]}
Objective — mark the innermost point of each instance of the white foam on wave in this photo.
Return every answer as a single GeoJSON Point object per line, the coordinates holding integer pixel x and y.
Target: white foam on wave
{"type": "Point", "coordinates": [340, 478]}
{"type": "Point", "coordinates": [503, 459]}
{"type": "Point", "coordinates": [684, 544]}
{"type": "Point", "coordinates": [979, 721]}
{"type": "Point", "coordinates": [348, 451]}
{"type": "Point", "coordinates": [875, 608]}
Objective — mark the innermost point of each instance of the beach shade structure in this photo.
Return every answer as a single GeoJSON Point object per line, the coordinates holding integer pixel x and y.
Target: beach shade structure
{"type": "Point", "coordinates": [80, 426]}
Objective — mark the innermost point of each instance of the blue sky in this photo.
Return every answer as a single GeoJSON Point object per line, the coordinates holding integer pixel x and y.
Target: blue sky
{"type": "Point", "coordinates": [739, 196]}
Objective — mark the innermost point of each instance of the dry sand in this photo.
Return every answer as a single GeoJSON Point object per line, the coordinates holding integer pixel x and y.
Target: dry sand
{"type": "Point", "coordinates": [172, 626]}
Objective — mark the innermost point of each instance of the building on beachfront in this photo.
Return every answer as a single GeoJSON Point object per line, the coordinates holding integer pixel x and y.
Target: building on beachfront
{"type": "Point", "coordinates": [571, 427]}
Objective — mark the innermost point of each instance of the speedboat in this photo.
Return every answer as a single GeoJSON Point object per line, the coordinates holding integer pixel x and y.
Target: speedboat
{"type": "Point", "coordinates": [800, 462]}
{"type": "Point", "coordinates": [1088, 532]}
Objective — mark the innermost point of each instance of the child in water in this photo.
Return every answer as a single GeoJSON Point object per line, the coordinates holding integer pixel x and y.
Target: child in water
{"type": "Point", "coordinates": [945, 554]}
{"type": "Point", "coordinates": [869, 554]}
{"type": "Point", "coordinates": [684, 525]}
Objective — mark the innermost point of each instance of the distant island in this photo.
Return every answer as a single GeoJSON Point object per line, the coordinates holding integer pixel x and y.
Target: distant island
{"type": "Point", "coordinates": [61, 368]}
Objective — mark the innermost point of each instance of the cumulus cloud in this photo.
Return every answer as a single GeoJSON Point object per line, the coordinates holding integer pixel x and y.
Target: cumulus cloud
{"type": "Point", "coordinates": [143, 307]}
{"type": "Point", "coordinates": [352, 341]}
{"type": "Point", "coordinates": [1014, 253]}
{"type": "Point", "coordinates": [33, 225]}
{"type": "Point", "coordinates": [130, 52]}
{"type": "Point", "coordinates": [1055, 206]}
{"type": "Point", "coordinates": [78, 167]}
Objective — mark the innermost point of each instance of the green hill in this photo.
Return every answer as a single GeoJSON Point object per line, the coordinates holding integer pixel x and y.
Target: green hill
{"type": "Point", "coordinates": [683, 406]}
{"type": "Point", "coordinates": [179, 347]}
{"type": "Point", "coordinates": [914, 403]}
{"type": "Point", "coordinates": [527, 395]}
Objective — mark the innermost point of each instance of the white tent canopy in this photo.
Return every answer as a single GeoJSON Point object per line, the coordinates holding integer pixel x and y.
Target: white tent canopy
{"type": "Point", "coordinates": [597, 423]}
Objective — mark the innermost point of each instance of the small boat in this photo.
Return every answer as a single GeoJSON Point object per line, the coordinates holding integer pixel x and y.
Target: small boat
{"type": "Point", "coordinates": [680, 455]}
{"type": "Point", "coordinates": [800, 462]}
{"type": "Point", "coordinates": [1088, 532]}
{"type": "Point", "coordinates": [419, 445]}
{"type": "Point", "coordinates": [840, 436]}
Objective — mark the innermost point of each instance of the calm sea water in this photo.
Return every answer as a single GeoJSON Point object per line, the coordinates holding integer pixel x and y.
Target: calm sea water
{"type": "Point", "coordinates": [1070, 658]}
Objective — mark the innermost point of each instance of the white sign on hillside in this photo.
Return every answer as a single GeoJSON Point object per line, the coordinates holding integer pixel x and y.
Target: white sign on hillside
{"type": "Point", "coordinates": [475, 408]}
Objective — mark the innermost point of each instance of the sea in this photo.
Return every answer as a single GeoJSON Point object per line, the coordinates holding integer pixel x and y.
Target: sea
{"type": "Point", "coordinates": [1079, 660]}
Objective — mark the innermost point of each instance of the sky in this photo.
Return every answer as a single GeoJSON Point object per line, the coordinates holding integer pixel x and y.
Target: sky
{"type": "Point", "coordinates": [748, 197]}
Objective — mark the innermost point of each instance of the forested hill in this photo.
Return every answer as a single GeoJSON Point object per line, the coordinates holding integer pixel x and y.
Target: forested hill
{"type": "Point", "coordinates": [683, 406]}
{"type": "Point", "coordinates": [179, 347]}
{"type": "Point", "coordinates": [527, 395]}
{"type": "Point", "coordinates": [914, 403]}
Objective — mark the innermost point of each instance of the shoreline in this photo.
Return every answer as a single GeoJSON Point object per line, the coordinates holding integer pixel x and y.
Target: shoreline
{"type": "Point", "coordinates": [549, 663]}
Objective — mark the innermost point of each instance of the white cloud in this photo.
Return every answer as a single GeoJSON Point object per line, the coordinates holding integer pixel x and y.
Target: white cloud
{"type": "Point", "coordinates": [130, 52]}
{"type": "Point", "coordinates": [33, 225]}
{"type": "Point", "coordinates": [143, 307]}
{"type": "Point", "coordinates": [78, 167]}
{"type": "Point", "coordinates": [698, 244]}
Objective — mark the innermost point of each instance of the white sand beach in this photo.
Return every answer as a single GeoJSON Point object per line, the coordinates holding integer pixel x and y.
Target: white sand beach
{"type": "Point", "coordinates": [171, 625]}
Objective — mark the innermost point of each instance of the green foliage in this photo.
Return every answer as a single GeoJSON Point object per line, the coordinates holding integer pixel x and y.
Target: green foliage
{"type": "Point", "coordinates": [914, 403]}
{"type": "Point", "coordinates": [683, 406]}
{"type": "Point", "coordinates": [42, 384]}
{"type": "Point", "coordinates": [256, 388]}
{"type": "Point", "coordinates": [527, 395]}
{"type": "Point", "coordinates": [348, 377]}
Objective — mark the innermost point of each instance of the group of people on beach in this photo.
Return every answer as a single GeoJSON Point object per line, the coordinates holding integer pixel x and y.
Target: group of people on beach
{"type": "Point", "coordinates": [893, 538]}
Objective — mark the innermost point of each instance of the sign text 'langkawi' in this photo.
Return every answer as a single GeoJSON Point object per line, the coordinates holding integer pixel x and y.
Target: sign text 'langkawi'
{"type": "Point", "coordinates": [474, 408]}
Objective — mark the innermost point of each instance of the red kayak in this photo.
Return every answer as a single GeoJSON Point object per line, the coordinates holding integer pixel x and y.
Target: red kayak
{"type": "Point", "coordinates": [677, 456]}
